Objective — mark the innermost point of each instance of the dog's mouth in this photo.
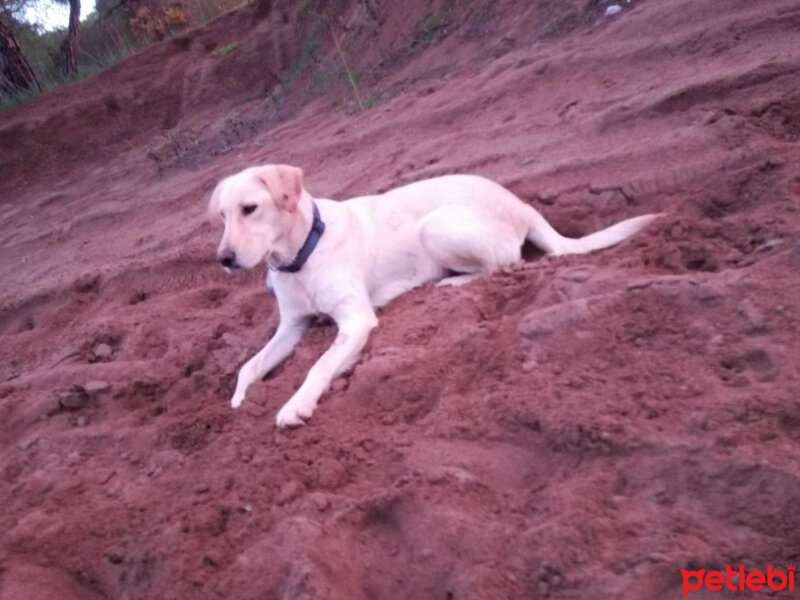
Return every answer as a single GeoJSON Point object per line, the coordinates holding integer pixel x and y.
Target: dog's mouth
{"type": "Point", "coordinates": [274, 260]}
{"type": "Point", "coordinates": [231, 265]}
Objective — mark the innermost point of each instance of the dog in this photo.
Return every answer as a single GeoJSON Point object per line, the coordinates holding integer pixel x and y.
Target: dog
{"type": "Point", "coordinates": [345, 259]}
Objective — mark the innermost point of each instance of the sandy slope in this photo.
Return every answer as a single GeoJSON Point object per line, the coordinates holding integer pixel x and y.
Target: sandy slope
{"type": "Point", "coordinates": [580, 427]}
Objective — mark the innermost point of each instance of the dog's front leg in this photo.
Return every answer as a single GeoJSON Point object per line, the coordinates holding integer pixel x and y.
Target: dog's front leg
{"type": "Point", "coordinates": [277, 349]}
{"type": "Point", "coordinates": [353, 333]}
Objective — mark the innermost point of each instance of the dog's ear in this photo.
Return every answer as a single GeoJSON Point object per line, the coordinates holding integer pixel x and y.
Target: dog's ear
{"type": "Point", "coordinates": [213, 205]}
{"type": "Point", "coordinates": [285, 183]}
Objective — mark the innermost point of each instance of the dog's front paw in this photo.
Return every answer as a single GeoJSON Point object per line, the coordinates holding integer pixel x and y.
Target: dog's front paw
{"type": "Point", "coordinates": [293, 415]}
{"type": "Point", "coordinates": [237, 400]}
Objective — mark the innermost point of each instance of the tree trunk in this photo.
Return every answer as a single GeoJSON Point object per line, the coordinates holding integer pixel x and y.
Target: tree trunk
{"type": "Point", "coordinates": [69, 47]}
{"type": "Point", "coordinates": [16, 74]}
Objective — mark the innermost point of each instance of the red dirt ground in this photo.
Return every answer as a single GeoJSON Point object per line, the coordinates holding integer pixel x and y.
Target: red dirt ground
{"type": "Point", "coordinates": [572, 428]}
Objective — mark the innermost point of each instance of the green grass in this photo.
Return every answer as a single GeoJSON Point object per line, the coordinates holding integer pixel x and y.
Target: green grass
{"type": "Point", "coordinates": [373, 101]}
{"type": "Point", "coordinates": [431, 27]}
{"type": "Point", "coordinates": [302, 5]}
{"type": "Point", "coordinates": [225, 50]}
{"type": "Point", "coordinates": [308, 54]}
{"type": "Point", "coordinates": [52, 79]}
{"type": "Point", "coordinates": [103, 44]}
{"type": "Point", "coordinates": [323, 81]}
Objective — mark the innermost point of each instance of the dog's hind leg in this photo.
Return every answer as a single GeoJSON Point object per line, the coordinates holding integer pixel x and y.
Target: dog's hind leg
{"type": "Point", "coordinates": [457, 280]}
{"type": "Point", "coordinates": [277, 349]}
{"type": "Point", "coordinates": [469, 242]}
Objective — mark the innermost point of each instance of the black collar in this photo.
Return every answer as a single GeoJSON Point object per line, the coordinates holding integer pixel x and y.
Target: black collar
{"type": "Point", "coordinates": [317, 227]}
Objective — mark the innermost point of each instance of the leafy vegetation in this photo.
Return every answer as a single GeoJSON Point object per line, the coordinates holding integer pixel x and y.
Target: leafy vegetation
{"type": "Point", "coordinates": [225, 50]}
{"type": "Point", "coordinates": [108, 35]}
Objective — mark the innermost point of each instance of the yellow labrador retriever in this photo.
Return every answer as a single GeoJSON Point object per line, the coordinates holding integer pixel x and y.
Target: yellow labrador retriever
{"type": "Point", "coordinates": [344, 259]}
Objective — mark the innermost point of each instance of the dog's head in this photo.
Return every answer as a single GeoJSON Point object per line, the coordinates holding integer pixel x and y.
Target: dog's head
{"type": "Point", "coordinates": [258, 208]}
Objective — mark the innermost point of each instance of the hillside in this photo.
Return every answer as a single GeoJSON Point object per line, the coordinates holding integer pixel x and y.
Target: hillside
{"type": "Point", "coordinates": [572, 428]}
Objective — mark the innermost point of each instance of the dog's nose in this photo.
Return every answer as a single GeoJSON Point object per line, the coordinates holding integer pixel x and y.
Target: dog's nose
{"type": "Point", "coordinates": [227, 258]}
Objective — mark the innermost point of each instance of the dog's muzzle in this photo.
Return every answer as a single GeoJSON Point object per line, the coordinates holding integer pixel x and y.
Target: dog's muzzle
{"type": "Point", "coordinates": [227, 258]}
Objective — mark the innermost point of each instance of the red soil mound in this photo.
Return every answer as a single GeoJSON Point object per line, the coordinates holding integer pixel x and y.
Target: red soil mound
{"type": "Point", "coordinates": [579, 427]}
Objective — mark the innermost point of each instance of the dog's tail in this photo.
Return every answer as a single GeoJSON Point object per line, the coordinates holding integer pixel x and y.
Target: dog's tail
{"type": "Point", "coordinates": [541, 233]}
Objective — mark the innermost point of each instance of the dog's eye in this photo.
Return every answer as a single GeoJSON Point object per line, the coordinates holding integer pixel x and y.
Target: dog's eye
{"type": "Point", "coordinates": [249, 209]}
